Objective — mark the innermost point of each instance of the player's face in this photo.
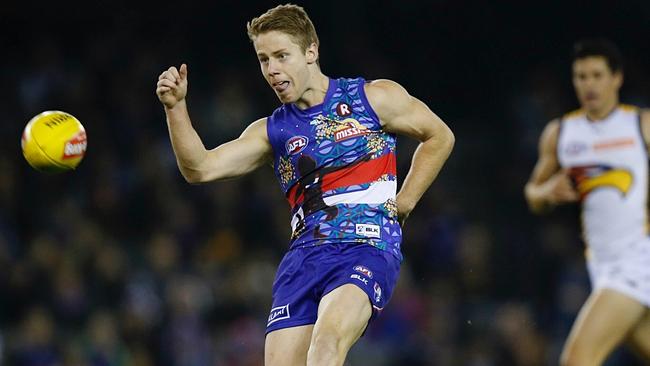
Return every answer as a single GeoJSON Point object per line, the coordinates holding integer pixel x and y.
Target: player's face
{"type": "Point", "coordinates": [595, 84]}
{"type": "Point", "coordinates": [284, 65]}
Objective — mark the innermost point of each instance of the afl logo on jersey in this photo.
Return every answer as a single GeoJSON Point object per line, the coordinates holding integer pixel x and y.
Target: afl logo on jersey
{"type": "Point", "coordinates": [575, 148]}
{"type": "Point", "coordinates": [296, 144]}
{"type": "Point", "coordinates": [343, 109]}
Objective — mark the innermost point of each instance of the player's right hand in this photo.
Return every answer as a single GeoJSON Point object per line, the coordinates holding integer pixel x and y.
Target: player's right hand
{"type": "Point", "coordinates": [172, 86]}
{"type": "Point", "coordinates": [559, 189]}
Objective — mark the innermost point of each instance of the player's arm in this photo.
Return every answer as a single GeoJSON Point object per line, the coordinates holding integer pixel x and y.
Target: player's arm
{"type": "Point", "coordinates": [197, 164]}
{"type": "Point", "coordinates": [549, 185]}
{"type": "Point", "coordinates": [404, 114]}
{"type": "Point", "coordinates": [645, 127]}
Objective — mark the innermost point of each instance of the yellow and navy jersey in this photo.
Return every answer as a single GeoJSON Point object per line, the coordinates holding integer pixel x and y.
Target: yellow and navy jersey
{"type": "Point", "coordinates": [608, 164]}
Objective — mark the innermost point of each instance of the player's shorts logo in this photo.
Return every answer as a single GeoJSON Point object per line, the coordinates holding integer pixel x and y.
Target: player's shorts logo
{"type": "Point", "coordinates": [377, 289]}
{"type": "Point", "coordinates": [278, 313]}
{"type": "Point", "coordinates": [296, 144]}
{"type": "Point", "coordinates": [363, 270]}
{"type": "Point", "coordinates": [358, 277]}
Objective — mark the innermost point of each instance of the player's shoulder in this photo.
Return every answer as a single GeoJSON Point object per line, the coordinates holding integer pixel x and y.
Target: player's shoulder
{"type": "Point", "coordinates": [280, 115]}
{"type": "Point", "coordinates": [385, 92]}
{"type": "Point", "coordinates": [382, 88]}
{"type": "Point", "coordinates": [628, 107]}
{"type": "Point", "coordinates": [572, 115]}
{"type": "Point", "coordinates": [551, 131]}
{"type": "Point", "coordinates": [256, 129]}
{"type": "Point", "coordinates": [645, 114]}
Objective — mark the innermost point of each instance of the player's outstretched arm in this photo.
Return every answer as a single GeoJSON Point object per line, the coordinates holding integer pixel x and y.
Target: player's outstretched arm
{"type": "Point", "coordinates": [549, 185]}
{"type": "Point", "coordinates": [197, 164]}
{"type": "Point", "coordinates": [404, 114]}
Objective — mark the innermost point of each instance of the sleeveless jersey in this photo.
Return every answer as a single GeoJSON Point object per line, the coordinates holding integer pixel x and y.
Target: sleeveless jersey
{"type": "Point", "coordinates": [608, 163]}
{"type": "Point", "coordinates": [337, 168]}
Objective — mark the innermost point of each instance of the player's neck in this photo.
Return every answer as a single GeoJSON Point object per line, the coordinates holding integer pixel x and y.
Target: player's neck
{"type": "Point", "coordinates": [602, 113]}
{"type": "Point", "coordinates": [315, 92]}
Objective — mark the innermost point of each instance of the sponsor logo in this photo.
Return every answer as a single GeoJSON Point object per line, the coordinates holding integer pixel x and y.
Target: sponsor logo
{"type": "Point", "coordinates": [319, 119]}
{"type": "Point", "coordinates": [343, 109]}
{"type": "Point", "coordinates": [358, 277]}
{"type": "Point", "coordinates": [76, 146]}
{"type": "Point", "coordinates": [615, 144]}
{"type": "Point", "coordinates": [590, 178]}
{"type": "Point", "coordinates": [296, 144]}
{"type": "Point", "coordinates": [278, 313]}
{"type": "Point", "coordinates": [377, 289]}
{"type": "Point", "coordinates": [348, 129]}
{"type": "Point", "coordinates": [368, 230]}
{"type": "Point", "coordinates": [57, 119]}
{"type": "Point", "coordinates": [363, 270]}
{"type": "Point", "coordinates": [575, 148]}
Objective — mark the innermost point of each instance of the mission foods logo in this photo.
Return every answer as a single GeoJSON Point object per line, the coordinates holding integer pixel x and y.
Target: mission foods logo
{"type": "Point", "coordinates": [348, 129]}
{"type": "Point", "coordinates": [296, 144]}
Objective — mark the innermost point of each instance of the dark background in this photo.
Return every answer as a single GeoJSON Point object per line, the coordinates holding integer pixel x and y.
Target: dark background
{"type": "Point", "coordinates": [123, 263]}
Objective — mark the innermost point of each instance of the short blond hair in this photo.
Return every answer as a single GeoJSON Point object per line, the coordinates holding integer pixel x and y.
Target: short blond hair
{"type": "Point", "coordinates": [288, 18]}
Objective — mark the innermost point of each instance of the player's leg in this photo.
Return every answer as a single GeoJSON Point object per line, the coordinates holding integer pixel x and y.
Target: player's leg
{"type": "Point", "coordinates": [639, 338]}
{"type": "Point", "coordinates": [603, 323]}
{"type": "Point", "coordinates": [343, 315]}
{"type": "Point", "coordinates": [288, 346]}
{"type": "Point", "coordinates": [294, 309]}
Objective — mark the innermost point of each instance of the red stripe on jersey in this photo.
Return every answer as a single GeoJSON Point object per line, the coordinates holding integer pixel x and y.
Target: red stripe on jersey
{"type": "Point", "coordinates": [366, 172]}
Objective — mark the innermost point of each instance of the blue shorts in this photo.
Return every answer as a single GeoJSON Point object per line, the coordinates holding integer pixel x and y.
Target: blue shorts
{"type": "Point", "coordinates": [305, 275]}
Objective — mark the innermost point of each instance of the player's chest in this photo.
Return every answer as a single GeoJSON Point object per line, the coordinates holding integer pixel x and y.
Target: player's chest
{"type": "Point", "coordinates": [323, 136]}
{"type": "Point", "coordinates": [589, 143]}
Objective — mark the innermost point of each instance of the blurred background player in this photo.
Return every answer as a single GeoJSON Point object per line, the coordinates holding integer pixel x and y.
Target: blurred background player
{"type": "Point", "coordinates": [598, 156]}
{"type": "Point", "coordinates": [343, 263]}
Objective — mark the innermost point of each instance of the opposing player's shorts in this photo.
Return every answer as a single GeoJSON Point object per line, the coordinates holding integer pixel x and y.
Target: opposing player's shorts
{"type": "Point", "coordinates": [305, 275]}
{"type": "Point", "coordinates": [628, 272]}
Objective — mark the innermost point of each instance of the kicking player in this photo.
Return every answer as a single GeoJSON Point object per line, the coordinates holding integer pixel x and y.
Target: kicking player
{"type": "Point", "coordinates": [598, 156]}
{"type": "Point", "coordinates": [332, 144]}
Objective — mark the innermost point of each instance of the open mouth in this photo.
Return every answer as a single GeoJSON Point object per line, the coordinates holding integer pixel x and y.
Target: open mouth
{"type": "Point", "coordinates": [281, 86]}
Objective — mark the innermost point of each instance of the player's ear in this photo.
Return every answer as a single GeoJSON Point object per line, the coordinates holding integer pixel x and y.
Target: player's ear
{"type": "Point", "coordinates": [311, 53]}
{"type": "Point", "coordinates": [618, 78]}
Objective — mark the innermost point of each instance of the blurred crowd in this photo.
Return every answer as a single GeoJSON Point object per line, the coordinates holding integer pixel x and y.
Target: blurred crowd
{"type": "Point", "coordinates": [121, 262]}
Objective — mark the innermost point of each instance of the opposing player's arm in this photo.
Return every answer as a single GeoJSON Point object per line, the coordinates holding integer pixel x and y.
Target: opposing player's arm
{"type": "Point", "coordinates": [404, 114]}
{"type": "Point", "coordinates": [549, 185]}
{"type": "Point", "coordinates": [197, 164]}
{"type": "Point", "coordinates": [645, 127]}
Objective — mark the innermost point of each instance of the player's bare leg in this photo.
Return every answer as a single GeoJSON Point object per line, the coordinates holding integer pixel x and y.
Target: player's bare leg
{"type": "Point", "coordinates": [639, 338]}
{"type": "Point", "coordinates": [343, 315]}
{"type": "Point", "coordinates": [288, 347]}
{"type": "Point", "coordinates": [603, 323]}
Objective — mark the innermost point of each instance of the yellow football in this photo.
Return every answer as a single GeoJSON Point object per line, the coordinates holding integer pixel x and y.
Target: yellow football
{"type": "Point", "coordinates": [54, 141]}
